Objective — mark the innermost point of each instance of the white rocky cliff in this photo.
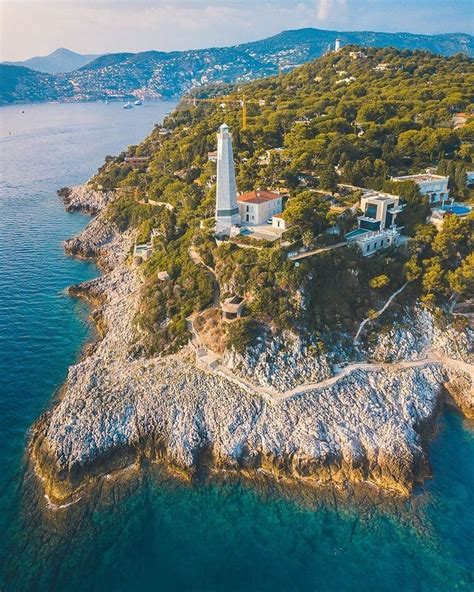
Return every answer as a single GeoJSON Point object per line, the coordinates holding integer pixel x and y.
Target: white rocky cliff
{"type": "Point", "coordinates": [365, 425]}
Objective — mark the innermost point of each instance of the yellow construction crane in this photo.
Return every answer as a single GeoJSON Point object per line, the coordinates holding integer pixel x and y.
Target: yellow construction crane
{"type": "Point", "coordinates": [229, 100]}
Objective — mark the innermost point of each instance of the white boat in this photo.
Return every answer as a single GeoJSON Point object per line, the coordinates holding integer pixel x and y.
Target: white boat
{"type": "Point", "coordinates": [106, 102]}
{"type": "Point", "coordinates": [138, 102]}
{"type": "Point", "coordinates": [128, 106]}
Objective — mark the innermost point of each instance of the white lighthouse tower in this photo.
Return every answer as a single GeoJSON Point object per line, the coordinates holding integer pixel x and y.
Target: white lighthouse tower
{"type": "Point", "coordinates": [227, 210]}
{"type": "Point", "coordinates": [337, 45]}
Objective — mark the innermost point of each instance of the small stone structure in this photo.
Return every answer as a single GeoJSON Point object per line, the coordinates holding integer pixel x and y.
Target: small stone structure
{"type": "Point", "coordinates": [232, 308]}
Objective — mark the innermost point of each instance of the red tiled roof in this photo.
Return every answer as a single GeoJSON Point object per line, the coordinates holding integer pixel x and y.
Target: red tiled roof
{"type": "Point", "coordinates": [258, 196]}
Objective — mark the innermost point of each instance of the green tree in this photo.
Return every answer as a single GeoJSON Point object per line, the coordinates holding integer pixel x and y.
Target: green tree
{"type": "Point", "coordinates": [380, 281]}
{"type": "Point", "coordinates": [328, 179]}
{"type": "Point", "coordinates": [461, 280]}
{"type": "Point", "coordinates": [434, 276]}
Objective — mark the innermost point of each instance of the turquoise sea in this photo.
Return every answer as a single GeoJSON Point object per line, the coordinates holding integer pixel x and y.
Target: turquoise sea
{"type": "Point", "coordinates": [150, 532]}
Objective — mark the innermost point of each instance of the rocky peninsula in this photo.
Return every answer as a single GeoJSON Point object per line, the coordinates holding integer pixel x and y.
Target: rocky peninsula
{"type": "Point", "coordinates": [366, 422]}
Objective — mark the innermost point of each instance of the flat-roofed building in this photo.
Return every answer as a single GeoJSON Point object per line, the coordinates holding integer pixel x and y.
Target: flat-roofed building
{"type": "Point", "coordinates": [278, 221]}
{"type": "Point", "coordinates": [377, 226]}
{"type": "Point", "coordinates": [232, 308]}
{"type": "Point", "coordinates": [258, 206]}
{"type": "Point", "coordinates": [379, 210]}
{"type": "Point", "coordinates": [434, 186]}
{"type": "Point", "coordinates": [137, 161]}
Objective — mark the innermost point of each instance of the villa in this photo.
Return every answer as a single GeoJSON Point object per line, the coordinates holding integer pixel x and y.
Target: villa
{"type": "Point", "coordinates": [258, 206]}
{"type": "Point", "coordinates": [377, 226]}
{"type": "Point", "coordinates": [136, 161]}
{"type": "Point", "coordinates": [438, 215]}
{"type": "Point", "coordinates": [434, 186]}
{"type": "Point", "coordinates": [357, 55]}
{"type": "Point", "coordinates": [265, 159]}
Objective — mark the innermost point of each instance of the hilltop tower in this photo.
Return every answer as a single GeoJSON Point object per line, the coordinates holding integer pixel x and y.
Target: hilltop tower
{"type": "Point", "coordinates": [227, 210]}
{"type": "Point", "coordinates": [337, 45]}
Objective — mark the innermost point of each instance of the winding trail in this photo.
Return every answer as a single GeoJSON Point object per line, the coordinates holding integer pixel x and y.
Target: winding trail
{"type": "Point", "coordinates": [318, 250]}
{"type": "Point", "coordinates": [197, 259]}
{"type": "Point", "coordinates": [211, 362]}
{"type": "Point", "coordinates": [379, 312]}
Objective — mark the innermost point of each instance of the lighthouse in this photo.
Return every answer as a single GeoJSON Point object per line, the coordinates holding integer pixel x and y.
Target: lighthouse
{"type": "Point", "coordinates": [227, 210]}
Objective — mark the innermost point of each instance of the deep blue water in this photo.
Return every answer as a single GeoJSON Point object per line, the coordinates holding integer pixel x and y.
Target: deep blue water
{"type": "Point", "coordinates": [156, 534]}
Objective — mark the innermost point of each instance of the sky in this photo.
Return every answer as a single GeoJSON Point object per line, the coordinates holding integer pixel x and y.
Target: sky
{"type": "Point", "coordinates": [37, 27]}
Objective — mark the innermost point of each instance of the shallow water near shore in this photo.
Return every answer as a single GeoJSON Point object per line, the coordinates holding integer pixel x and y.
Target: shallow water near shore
{"type": "Point", "coordinates": [154, 534]}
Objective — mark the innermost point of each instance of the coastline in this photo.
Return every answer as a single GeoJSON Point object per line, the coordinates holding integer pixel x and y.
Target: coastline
{"type": "Point", "coordinates": [117, 411]}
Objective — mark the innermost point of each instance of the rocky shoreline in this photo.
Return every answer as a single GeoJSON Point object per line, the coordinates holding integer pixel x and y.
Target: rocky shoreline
{"type": "Point", "coordinates": [117, 410]}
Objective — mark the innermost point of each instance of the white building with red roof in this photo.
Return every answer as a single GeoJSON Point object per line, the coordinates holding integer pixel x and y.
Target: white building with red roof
{"type": "Point", "coordinates": [258, 206]}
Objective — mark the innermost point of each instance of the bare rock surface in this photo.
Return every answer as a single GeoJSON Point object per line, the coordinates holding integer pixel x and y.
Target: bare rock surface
{"type": "Point", "coordinates": [83, 198]}
{"type": "Point", "coordinates": [116, 410]}
{"type": "Point", "coordinates": [412, 337]}
{"type": "Point", "coordinates": [280, 362]}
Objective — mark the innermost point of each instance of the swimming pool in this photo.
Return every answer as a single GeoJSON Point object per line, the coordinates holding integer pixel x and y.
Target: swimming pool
{"type": "Point", "coordinates": [357, 232]}
{"type": "Point", "coordinates": [457, 209]}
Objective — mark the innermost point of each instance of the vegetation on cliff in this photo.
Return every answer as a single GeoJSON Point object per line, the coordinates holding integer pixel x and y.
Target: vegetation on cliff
{"type": "Point", "coordinates": [335, 120]}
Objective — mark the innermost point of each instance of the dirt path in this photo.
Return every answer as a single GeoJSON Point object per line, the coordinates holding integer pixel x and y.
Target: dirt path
{"type": "Point", "coordinates": [316, 251]}
{"type": "Point", "coordinates": [211, 362]}
{"type": "Point", "coordinates": [197, 259]}
{"type": "Point", "coordinates": [381, 311]}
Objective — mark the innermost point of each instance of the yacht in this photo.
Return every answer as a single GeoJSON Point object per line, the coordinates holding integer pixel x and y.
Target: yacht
{"type": "Point", "coordinates": [128, 106]}
{"type": "Point", "coordinates": [138, 102]}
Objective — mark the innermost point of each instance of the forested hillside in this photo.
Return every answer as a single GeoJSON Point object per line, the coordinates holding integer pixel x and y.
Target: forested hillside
{"type": "Point", "coordinates": [153, 74]}
{"type": "Point", "coordinates": [341, 119]}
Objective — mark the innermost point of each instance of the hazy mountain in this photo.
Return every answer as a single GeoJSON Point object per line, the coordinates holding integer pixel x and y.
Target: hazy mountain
{"type": "Point", "coordinates": [60, 61]}
{"type": "Point", "coordinates": [307, 44]}
{"type": "Point", "coordinates": [156, 74]}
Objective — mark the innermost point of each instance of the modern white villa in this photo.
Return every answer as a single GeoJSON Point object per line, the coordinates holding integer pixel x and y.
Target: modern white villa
{"type": "Point", "coordinates": [258, 206]}
{"type": "Point", "coordinates": [377, 226]}
{"type": "Point", "coordinates": [434, 186]}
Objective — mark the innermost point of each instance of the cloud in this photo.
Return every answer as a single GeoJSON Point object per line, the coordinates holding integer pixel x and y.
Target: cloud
{"type": "Point", "coordinates": [32, 27]}
{"type": "Point", "coordinates": [329, 9]}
